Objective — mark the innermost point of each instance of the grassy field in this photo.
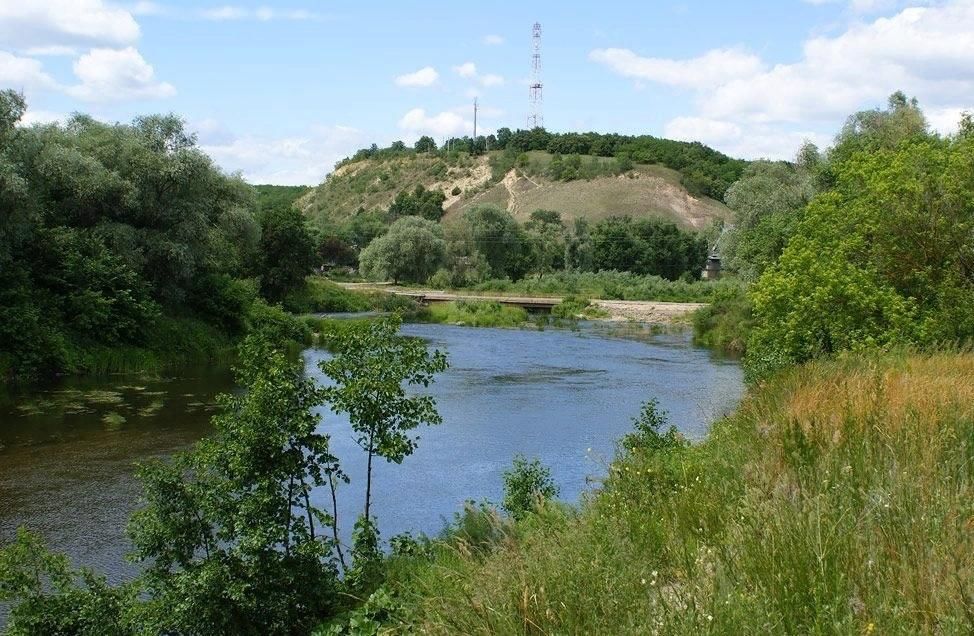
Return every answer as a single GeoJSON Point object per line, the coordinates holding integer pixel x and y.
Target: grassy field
{"type": "Point", "coordinates": [838, 499]}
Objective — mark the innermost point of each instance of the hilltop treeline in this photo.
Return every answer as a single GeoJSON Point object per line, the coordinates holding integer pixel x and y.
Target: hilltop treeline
{"type": "Point", "coordinates": [704, 171]}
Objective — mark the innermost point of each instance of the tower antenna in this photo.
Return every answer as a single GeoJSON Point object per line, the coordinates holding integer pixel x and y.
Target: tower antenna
{"type": "Point", "coordinates": [475, 120]}
{"type": "Point", "coordinates": [535, 118]}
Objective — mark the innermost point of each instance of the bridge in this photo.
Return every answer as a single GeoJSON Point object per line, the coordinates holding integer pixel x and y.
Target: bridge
{"type": "Point", "coordinates": [647, 311]}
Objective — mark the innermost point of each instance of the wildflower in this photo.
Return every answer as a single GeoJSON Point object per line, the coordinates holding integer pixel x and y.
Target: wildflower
{"type": "Point", "coordinates": [709, 618]}
{"type": "Point", "coordinates": [870, 627]}
{"type": "Point", "coordinates": [643, 581]}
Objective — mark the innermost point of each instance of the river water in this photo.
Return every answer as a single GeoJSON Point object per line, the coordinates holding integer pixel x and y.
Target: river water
{"type": "Point", "coordinates": [67, 453]}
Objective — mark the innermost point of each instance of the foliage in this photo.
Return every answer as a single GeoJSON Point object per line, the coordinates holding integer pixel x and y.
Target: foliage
{"type": "Point", "coordinates": [319, 295]}
{"type": "Point", "coordinates": [725, 324]}
{"type": "Point", "coordinates": [411, 250]}
{"type": "Point", "coordinates": [572, 307]}
{"type": "Point", "coordinates": [420, 202]}
{"type": "Point", "coordinates": [611, 286]}
{"type": "Point", "coordinates": [287, 252]}
{"type": "Point", "coordinates": [527, 485]}
{"type": "Point", "coordinates": [647, 246]}
{"type": "Point", "coordinates": [768, 201]}
{"type": "Point", "coordinates": [370, 371]}
{"type": "Point", "coordinates": [51, 598]}
{"type": "Point", "coordinates": [881, 259]}
{"type": "Point", "coordinates": [228, 537]}
{"type": "Point", "coordinates": [278, 196]}
{"type": "Point", "coordinates": [108, 231]}
{"type": "Point", "coordinates": [475, 313]}
{"type": "Point", "coordinates": [834, 500]}
{"type": "Point", "coordinates": [651, 434]}
{"type": "Point", "coordinates": [497, 236]}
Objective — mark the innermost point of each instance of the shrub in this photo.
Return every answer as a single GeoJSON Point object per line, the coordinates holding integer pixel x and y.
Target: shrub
{"type": "Point", "coordinates": [527, 485]}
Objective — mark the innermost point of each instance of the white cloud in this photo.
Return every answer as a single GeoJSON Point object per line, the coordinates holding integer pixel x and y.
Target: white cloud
{"type": "Point", "coordinates": [751, 141]}
{"type": "Point", "coordinates": [23, 73]}
{"type": "Point", "coordinates": [445, 124]}
{"type": "Point", "coordinates": [263, 14]}
{"type": "Point", "coordinates": [425, 76]}
{"type": "Point", "coordinates": [42, 23]}
{"type": "Point", "coordinates": [295, 160]}
{"type": "Point", "coordinates": [493, 40]}
{"type": "Point", "coordinates": [51, 51]}
{"type": "Point", "coordinates": [491, 80]}
{"type": "Point", "coordinates": [467, 69]}
{"type": "Point", "coordinates": [700, 72]}
{"type": "Point", "coordinates": [116, 74]}
{"type": "Point", "coordinates": [32, 117]}
{"type": "Point", "coordinates": [751, 108]}
{"type": "Point", "coordinates": [946, 120]}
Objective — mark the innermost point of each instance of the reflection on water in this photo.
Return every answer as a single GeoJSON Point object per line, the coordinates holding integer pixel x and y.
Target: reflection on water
{"type": "Point", "coordinates": [67, 453]}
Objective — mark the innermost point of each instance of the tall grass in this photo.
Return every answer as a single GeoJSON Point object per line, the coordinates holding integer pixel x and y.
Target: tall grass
{"type": "Point", "coordinates": [838, 499]}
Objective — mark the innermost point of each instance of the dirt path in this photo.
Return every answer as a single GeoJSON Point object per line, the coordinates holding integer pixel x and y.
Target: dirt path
{"type": "Point", "coordinates": [618, 310]}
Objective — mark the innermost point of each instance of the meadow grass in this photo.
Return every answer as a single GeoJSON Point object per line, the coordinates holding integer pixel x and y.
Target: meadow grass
{"type": "Point", "coordinates": [839, 498]}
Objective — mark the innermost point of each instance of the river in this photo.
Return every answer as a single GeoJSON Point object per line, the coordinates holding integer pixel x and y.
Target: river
{"type": "Point", "coordinates": [67, 452]}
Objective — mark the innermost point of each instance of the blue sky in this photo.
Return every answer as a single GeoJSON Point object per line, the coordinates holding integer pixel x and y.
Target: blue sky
{"type": "Point", "coordinates": [280, 91]}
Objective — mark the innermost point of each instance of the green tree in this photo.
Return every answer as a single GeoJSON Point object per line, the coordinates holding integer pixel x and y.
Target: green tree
{"type": "Point", "coordinates": [411, 250]}
{"type": "Point", "coordinates": [287, 251]}
{"type": "Point", "coordinates": [370, 371]}
{"type": "Point", "coordinates": [767, 201]}
{"type": "Point", "coordinates": [546, 234]}
{"type": "Point", "coordinates": [228, 536]}
{"type": "Point", "coordinates": [498, 237]}
{"type": "Point", "coordinates": [425, 144]}
{"type": "Point", "coordinates": [881, 259]}
{"type": "Point", "coordinates": [420, 202]}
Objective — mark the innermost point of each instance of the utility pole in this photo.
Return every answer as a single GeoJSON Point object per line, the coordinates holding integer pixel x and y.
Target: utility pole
{"type": "Point", "coordinates": [475, 120]}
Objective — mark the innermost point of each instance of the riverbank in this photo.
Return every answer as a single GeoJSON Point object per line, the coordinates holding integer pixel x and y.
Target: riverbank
{"type": "Point", "coordinates": [836, 499]}
{"type": "Point", "coordinates": [657, 312]}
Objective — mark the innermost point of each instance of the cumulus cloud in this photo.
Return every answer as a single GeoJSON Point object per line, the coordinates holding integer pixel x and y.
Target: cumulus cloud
{"type": "Point", "coordinates": [23, 73]}
{"type": "Point", "coordinates": [699, 72]}
{"type": "Point", "coordinates": [425, 76]}
{"type": "Point", "coordinates": [302, 159]}
{"type": "Point", "coordinates": [445, 124]}
{"type": "Point", "coordinates": [28, 24]}
{"type": "Point", "coordinates": [116, 74]}
{"type": "Point", "coordinates": [467, 69]}
{"type": "Point", "coordinates": [493, 40]}
{"type": "Point", "coordinates": [33, 116]}
{"type": "Point", "coordinates": [745, 104]}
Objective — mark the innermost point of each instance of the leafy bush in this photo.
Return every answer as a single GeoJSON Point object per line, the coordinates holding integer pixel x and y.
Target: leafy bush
{"type": "Point", "coordinates": [725, 324]}
{"type": "Point", "coordinates": [320, 295]}
{"type": "Point", "coordinates": [527, 485]}
{"type": "Point", "coordinates": [475, 313]}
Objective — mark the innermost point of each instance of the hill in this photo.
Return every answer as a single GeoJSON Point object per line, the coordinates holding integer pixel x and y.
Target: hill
{"type": "Point", "coordinates": [601, 188]}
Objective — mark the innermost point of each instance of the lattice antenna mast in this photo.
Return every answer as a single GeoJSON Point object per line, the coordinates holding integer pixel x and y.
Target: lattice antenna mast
{"type": "Point", "coordinates": [535, 117]}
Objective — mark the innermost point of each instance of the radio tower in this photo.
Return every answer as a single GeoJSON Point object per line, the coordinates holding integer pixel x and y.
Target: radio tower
{"type": "Point", "coordinates": [535, 118]}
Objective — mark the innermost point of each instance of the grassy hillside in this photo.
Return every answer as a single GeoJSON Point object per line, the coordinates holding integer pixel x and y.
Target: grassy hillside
{"type": "Point", "coordinates": [838, 499]}
{"type": "Point", "coordinates": [646, 190]}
